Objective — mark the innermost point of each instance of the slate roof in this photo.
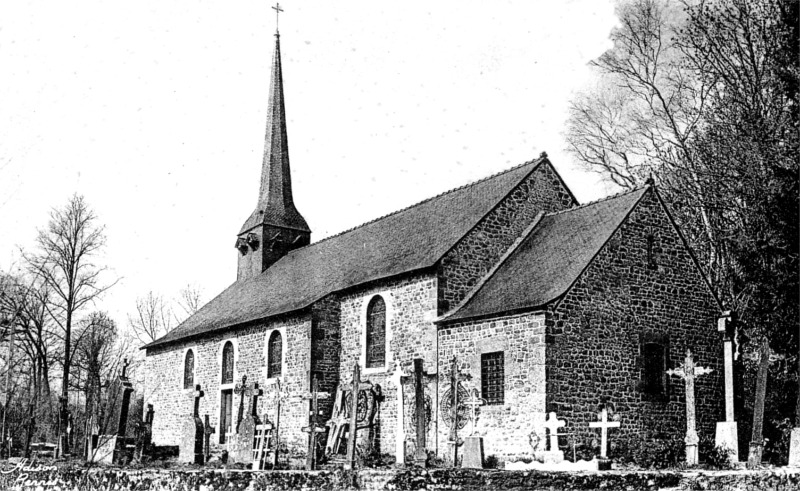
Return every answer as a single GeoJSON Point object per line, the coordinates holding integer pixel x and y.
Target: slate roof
{"type": "Point", "coordinates": [546, 263]}
{"type": "Point", "coordinates": [407, 240]}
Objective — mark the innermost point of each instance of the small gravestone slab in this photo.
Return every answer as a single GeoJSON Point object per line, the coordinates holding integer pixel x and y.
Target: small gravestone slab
{"type": "Point", "coordinates": [794, 448]}
{"type": "Point", "coordinates": [192, 431]}
{"type": "Point", "coordinates": [473, 453]}
{"type": "Point", "coordinates": [553, 455]}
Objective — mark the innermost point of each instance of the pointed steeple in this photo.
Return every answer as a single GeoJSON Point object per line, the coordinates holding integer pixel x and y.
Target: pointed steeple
{"type": "Point", "coordinates": [275, 226]}
{"type": "Point", "coordinates": [275, 203]}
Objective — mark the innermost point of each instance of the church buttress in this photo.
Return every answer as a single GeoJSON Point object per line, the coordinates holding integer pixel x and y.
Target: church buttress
{"type": "Point", "coordinates": [275, 227]}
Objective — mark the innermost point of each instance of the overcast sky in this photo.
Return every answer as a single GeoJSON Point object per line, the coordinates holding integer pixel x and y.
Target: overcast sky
{"type": "Point", "coordinates": [155, 111]}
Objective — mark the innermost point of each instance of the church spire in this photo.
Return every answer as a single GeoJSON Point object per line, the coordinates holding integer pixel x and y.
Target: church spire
{"type": "Point", "coordinates": [275, 202]}
{"type": "Point", "coordinates": [275, 227]}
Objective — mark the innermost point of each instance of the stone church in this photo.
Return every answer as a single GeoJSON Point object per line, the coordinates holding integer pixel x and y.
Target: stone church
{"type": "Point", "coordinates": [546, 305]}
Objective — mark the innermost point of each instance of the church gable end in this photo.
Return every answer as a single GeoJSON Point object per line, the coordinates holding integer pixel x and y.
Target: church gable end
{"type": "Point", "coordinates": [478, 251]}
{"type": "Point", "coordinates": [630, 315]}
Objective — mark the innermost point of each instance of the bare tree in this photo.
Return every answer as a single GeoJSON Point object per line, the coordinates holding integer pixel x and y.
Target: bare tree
{"type": "Point", "coordinates": [64, 263]}
{"type": "Point", "coordinates": [190, 299]}
{"type": "Point", "coordinates": [153, 318]}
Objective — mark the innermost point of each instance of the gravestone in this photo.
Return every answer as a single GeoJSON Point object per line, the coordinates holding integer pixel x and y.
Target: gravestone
{"type": "Point", "coordinates": [473, 445]}
{"type": "Point", "coordinates": [553, 455]}
{"type": "Point", "coordinates": [121, 453]}
{"type": "Point", "coordinates": [351, 409]}
{"type": "Point", "coordinates": [604, 464]}
{"type": "Point", "coordinates": [421, 416]}
{"type": "Point", "coordinates": [315, 428]}
{"type": "Point", "coordinates": [240, 445]}
{"type": "Point", "coordinates": [689, 372]}
{"type": "Point", "coordinates": [794, 448]}
{"type": "Point", "coordinates": [144, 435]}
{"type": "Point", "coordinates": [727, 435]}
{"type": "Point", "coordinates": [192, 433]}
{"type": "Point", "coordinates": [400, 432]}
{"type": "Point", "coordinates": [208, 430]}
{"type": "Point", "coordinates": [456, 411]}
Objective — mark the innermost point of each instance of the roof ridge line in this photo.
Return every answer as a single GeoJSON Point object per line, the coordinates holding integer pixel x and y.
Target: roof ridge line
{"type": "Point", "coordinates": [463, 186]}
{"type": "Point", "coordinates": [601, 200]}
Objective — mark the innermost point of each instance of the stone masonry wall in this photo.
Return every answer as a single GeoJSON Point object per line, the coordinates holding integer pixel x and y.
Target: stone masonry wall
{"type": "Point", "coordinates": [476, 253]}
{"type": "Point", "coordinates": [173, 404]}
{"type": "Point", "coordinates": [504, 427]}
{"type": "Point", "coordinates": [595, 333]}
{"type": "Point", "coordinates": [410, 333]}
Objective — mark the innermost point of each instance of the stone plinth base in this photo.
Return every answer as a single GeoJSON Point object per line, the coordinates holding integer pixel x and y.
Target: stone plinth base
{"type": "Point", "coordinates": [794, 448]}
{"type": "Point", "coordinates": [603, 464]}
{"type": "Point", "coordinates": [104, 452]}
{"type": "Point", "coordinates": [473, 453]}
{"type": "Point", "coordinates": [728, 437]}
{"type": "Point", "coordinates": [549, 456]}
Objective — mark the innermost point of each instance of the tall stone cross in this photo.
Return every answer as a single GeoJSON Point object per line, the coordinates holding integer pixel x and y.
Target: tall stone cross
{"type": "Point", "coordinates": [553, 424]}
{"type": "Point", "coordinates": [455, 379]}
{"type": "Point", "coordinates": [604, 424]}
{"type": "Point", "coordinates": [281, 396]}
{"type": "Point", "coordinates": [689, 372]}
{"type": "Point", "coordinates": [314, 428]}
{"type": "Point", "coordinates": [474, 402]}
{"type": "Point", "coordinates": [352, 426]}
{"type": "Point", "coordinates": [243, 390]}
{"type": "Point", "coordinates": [256, 393]}
{"type": "Point", "coordinates": [396, 379]}
{"type": "Point", "coordinates": [127, 389]}
{"type": "Point", "coordinates": [421, 455]}
{"type": "Point", "coordinates": [208, 430]}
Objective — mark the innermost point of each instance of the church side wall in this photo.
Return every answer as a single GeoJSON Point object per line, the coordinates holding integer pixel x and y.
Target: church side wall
{"type": "Point", "coordinates": [411, 310]}
{"type": "Point", "coordinates": [476, 253]}
{"type": "Point", "coordinates": [173, 404]}
{"type": "Point", "coordinates": [504, 427]}
{"type": "Point", "coordinates": [596, 333]}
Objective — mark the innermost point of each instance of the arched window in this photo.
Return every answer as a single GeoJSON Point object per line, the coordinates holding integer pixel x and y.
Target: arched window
{"type": "Point", "coordinates": [188, 370]}
{"type": "Point", "coordinates": [227, 363]}
{"type": "Point", "coordinates": [376, 333]}
{"type": "Point", "coordinates": [274, 354]}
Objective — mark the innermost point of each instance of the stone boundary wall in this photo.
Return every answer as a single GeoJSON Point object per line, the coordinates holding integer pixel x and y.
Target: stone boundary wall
{"type": "Point", "coordinates": [505, 427]}
{"type": "Point", "coordinates": [101, 479]}
{"type": "Point", "coordinates": [596, 332]}
{"type": "Point", "coordinates": [469, 261]}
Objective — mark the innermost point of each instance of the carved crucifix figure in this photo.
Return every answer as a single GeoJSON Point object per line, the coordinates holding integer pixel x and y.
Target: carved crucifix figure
{"type": "Point", "coordinates": [314, 428]}
{"type": "Point", "coordinates": [400, 433]}
{"type": "Point", "coordinates": [243, 390]}
{"type": "Point", "coordinates": [689, 372]}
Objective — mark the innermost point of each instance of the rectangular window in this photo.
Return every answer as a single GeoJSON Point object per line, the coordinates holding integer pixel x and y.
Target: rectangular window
{"type": "Point", "coordinates": [226, 415]}
{"type": "Point", "coordinates": [493, 377]}
{"type": "Point", "coordinates": [654, 368]}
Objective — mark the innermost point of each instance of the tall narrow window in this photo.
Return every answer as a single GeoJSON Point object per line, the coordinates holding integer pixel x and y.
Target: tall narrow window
{"type": "Point", "coordinates": [227, 363]}
{"type": "Point", "coordinates": [493, 377]}
{"type": "Point", "coordinates": [654, 368]}
{"type": "Point", "coordinates": [376, 333]}
{"type": "Point", "coordinates": [188, 370]}
{"type": "Point", "coordinates": [275, 354]}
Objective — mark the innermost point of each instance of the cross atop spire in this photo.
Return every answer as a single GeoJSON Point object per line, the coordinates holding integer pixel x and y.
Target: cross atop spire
{"type": "Point", "coordinates": [277, 8]}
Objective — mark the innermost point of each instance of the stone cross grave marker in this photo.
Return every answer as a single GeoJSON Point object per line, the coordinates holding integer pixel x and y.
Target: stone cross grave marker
{"type": "Point", "coordinates": [191, 446]}
{"type": "Point", "coordinates": [400, 433]}
{"type": "Point", "coordinates": [553, 455]}
{"type": "Point", "coordinates": [281, 396]}
{"type": "Point", "coordinates": [689, 372]}
{"type": "Point", "coordinates": [242, 390]}
{"type": "Point", "coordinates": [727, 431]}
{"type": "Point", "coordinates": [474, 403]}
{"type": "Point", "coordinates": [604, 424]}
{"type": "Point", "coordinates": [241, 445]}
{"type": "Point", "coordinates": [352, 427]}
{"type": "Point", "coordinates": [314, 428]}
{"type": "Point", "coordinates": [455, 380]}
{"type": "Point", "coordinates": [421, 454]}
{"type": "Point", "coordinates": [120, 445]}
{"type": "Point", "coordinates": [208, 430]}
